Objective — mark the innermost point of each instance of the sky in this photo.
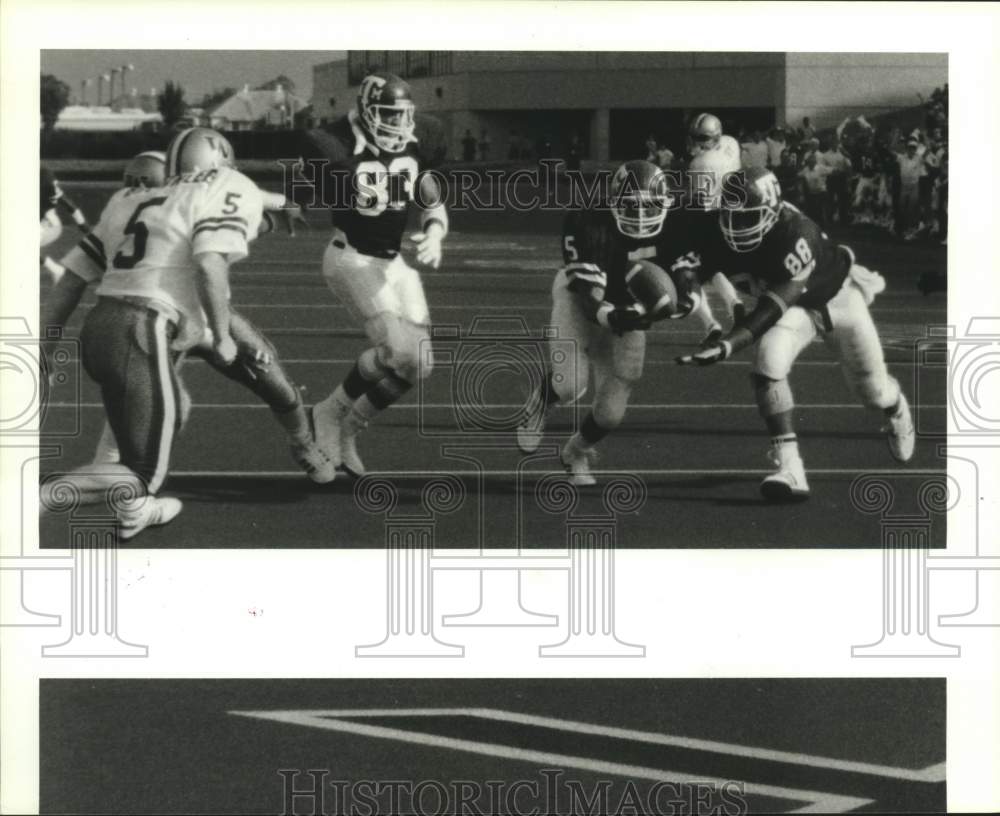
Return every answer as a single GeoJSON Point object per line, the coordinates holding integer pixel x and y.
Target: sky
{"type": "Point", "coordinates": [199, 72]}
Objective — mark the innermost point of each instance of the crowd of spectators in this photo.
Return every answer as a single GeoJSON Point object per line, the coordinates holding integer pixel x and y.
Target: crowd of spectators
{"type": "Point", "coordinates": [861, 174]}
{"type": "Point", "coordinates": [856, 174]}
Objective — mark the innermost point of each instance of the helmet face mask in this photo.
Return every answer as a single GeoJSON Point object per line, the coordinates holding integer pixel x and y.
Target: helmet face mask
{"type": "Point", "coordinates": [386, 111]}
{"type": "Point", "coordinates": [744, 225]}
{"type": "Point", "coordinates": [639, 199]}
{"type": "Point", "coordinates": [744, 229]}
{"type": "Point", "coordinates": [147, 170]}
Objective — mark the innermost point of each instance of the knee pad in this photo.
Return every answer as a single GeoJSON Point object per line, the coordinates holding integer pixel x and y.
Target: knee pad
{"type": "Point", "coordinates": [407, 352]}
{"type": "Point", "coordinates": [773, 396]}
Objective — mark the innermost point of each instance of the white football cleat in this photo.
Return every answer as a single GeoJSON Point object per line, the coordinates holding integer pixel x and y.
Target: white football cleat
{"type": "Point", "coordinates": [900, 434]}
{"type": "Point", "coordinates": [317, 465]}
{"type": "Point", "coordinates": [714, 336]}
{"type": "Point", "coordinates": [326, 418]}
{"type": "Point", "coordinates": [531, 429]}
{"type": "Point", "coordinates": [789, 482]}
{"type": "Point", "coordinates": [350, 461]}
{"type": "Point", "coordinates": [577, 461]}
{"type": "Point", "coordinates": [149, 511]}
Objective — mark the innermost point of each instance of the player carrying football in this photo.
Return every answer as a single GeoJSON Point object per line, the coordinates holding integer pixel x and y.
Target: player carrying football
{"type": "Point", "coordinates": [592, 305]}
{"type": "Point", "coordinates": [807, 285]}
{"type": "Point", "coordinates": [373, 158]}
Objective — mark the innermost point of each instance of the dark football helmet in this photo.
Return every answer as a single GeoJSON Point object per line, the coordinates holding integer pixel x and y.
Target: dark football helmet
{"type": "Point", "coordinates": [705, 133]}
{"type": "Point", "coordinates": [750, 207]}
{"type": "Point", "coordinates": [385, 107]}
{"type": "Point", "coordinates": [148, 169]}
{"type": "Point", "coordinates": [639, 198]}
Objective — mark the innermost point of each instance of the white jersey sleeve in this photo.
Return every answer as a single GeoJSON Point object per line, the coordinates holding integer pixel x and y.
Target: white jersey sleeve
{"type": "Point", "coordinates": [88, 259]}
{"type": "Point", "coordinates": [227, 216]}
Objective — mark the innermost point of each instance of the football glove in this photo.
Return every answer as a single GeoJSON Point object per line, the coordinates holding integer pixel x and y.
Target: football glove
{"type": "Point", "coordinates": [254, 360]}
{"type": "Point", "coordinates": [429, 246]}
{"type": "Point", "coordinates": [713, 354]}
{"type": "Point", "coordinates": [621, 319]}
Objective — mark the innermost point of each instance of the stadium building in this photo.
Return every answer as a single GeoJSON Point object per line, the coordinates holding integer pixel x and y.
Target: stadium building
{"type": "Point", "coordinates": [532, 102]}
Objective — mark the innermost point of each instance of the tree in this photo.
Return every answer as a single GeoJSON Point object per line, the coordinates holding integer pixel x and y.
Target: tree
{"type": "Point", "coordinates": [286, 84]}
{"type": "Point", "coordinates": [55, 97]}
{"type": "Point", "coordinates": [171, 104]}
{"type": "Point", "coordinates": [212, 100]}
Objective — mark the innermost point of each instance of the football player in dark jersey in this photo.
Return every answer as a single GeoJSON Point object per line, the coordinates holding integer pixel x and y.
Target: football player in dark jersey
{"type": "Point", "coordinates": [593, 308]}
{"type": "Point", "coordinates": [806, 285]}
{"type": "Point", "coordinates": [51, 198]}
{"type": "Point", "coordinates": [372, 160]}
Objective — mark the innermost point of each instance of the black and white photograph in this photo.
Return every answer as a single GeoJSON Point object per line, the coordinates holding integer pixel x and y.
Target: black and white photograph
{"type": "Point", "coordinates": [493, 746]}
{"type": "Point", "coordinates": [707, 279]}
{"type": "Point", "coordinates": [545, 407]}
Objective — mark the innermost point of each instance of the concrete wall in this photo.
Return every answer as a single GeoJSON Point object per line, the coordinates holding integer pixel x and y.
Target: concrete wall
{"type": "Point", "coordinates": [828, 87]}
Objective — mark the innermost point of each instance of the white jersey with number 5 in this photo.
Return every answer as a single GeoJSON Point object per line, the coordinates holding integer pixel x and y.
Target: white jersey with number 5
{"type": "Point", "coordinates": [147, 240]}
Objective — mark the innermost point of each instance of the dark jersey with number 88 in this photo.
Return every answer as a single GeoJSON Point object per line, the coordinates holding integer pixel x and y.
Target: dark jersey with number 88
{"type": "Point", "coordinates": [794, 249]}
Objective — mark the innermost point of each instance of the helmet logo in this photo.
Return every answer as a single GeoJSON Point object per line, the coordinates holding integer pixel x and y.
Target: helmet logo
{"type": "Point", "coordinates": [770, 191]}
{"type": "Point", "coordinates": [370, 87]}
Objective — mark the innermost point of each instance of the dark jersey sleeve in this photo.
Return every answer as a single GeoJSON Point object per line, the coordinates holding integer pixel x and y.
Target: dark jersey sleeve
{"type": "Point", "coordinates": [580, 264]}
{"type": "Point", "coordinates": [322, 177]}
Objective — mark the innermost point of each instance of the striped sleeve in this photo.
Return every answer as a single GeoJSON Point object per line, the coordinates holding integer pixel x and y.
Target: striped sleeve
{"type": "Point", "coordinates": [88, 259]}
{"type": "Point", "coordinates": [228, 217]}
{"type": "Point", "coordinates": [584, 276]}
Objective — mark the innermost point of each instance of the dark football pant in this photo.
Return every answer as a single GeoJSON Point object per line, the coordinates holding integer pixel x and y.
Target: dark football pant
{"type": "Point", "coordinates": [126, 351]}
{"type": "Point", "coordinates": [272, 384]}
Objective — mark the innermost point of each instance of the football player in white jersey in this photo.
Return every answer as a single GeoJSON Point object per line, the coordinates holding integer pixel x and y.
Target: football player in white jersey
{"type": "Point", "coordinates": [713, 155]}
{"type": "Point", "coordinates": [257, 366]}
{"type": "Point", "coordinates": [162, 256]}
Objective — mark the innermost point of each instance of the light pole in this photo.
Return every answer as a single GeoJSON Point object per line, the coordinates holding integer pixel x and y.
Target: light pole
{"type": "Point", "coordinates": [111, 91]}
{"type": "Point", "coordinates": [125, 69]}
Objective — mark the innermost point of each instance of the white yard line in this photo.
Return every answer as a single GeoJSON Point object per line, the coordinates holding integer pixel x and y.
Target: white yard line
{"type": "Point", "coordinates": [409, 406]}
{"type": "Point", "coordinates": [818, 801]}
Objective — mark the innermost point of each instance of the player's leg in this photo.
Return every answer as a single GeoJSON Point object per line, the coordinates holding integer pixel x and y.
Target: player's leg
{"type": "Point", "coordinates": [618, 363]}
{"type": "Point", "coordinates": [127, 352]}
{"type": "Point", "coordinates": [271, 383]}
{"type": "Point", "coordinates": [565, 380]}
{"type": "Point", "coordinates": [388, 298]}
{"type": "Point", "coordinates": [777, 351]}
{"type": "Point", "coordinates": [855, 340]}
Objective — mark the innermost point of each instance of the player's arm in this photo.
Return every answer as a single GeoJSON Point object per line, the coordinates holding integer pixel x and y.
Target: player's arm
{"type": "Point", "coordinates": [280, 211]}
{"type": "Point", "coordinates": [588, 283]}
{"type": "Point", "coordinates": [433, 221]}
{"type": "Point", "coordinates": [223, 222]}
{"type": "Point", "coordinates": [213, 288]}
{"type": "Point", "coordinates": [74, 212]}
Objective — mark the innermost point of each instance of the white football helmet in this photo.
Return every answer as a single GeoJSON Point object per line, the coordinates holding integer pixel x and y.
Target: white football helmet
{"type": "Point", "coordinates": [148, 169]}
{"type": "Point", "coordinates": [197, 149]}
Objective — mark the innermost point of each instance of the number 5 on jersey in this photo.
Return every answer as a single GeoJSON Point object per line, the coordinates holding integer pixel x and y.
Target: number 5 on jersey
{"type": "Point", "coordinates": [140, 234]}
